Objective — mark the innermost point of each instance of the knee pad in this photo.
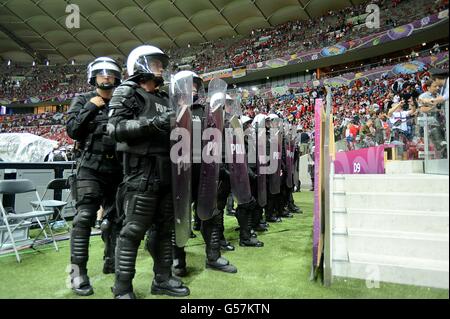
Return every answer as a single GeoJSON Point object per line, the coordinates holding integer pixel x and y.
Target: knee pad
{"type": "Point", "coordinates": [85, 217]}
{"type": "Point", "coordinates": [133, 230]}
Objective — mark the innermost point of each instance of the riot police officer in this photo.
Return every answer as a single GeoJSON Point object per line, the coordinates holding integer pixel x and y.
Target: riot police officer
{"type": "Point", "coordinates": [232, 172]}
{"type": "Point", "coordinates": [251, 128]}
{"type": "Point", "coordinates": [98, 172]}
{"type": "Point", "coordinates": [139, 121]}
{"type": "Point", "coordinates": [272, 209]}
{"type": "Point", "coordinates": [212, 228]}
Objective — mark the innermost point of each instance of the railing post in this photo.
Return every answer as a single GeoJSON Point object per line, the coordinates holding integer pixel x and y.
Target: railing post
{"type": "Point", "coordinates": [446, 128]}
{"type": "Point", "coordinates": [326, 187]}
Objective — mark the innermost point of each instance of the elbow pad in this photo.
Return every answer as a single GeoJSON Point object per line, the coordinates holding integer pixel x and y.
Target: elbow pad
{"type": "Point", "coordinates": [161, 123]}
{"type": "Point", "coordinates": [136, 129]}
{"type": "Point", "coordinates": [128, 130]}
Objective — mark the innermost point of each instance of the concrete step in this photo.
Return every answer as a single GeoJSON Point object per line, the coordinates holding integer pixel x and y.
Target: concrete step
{"type": "Point", "coordinates": [340, 246]}
{"type": "Point", "coordinates": [416, 183]}
{"type": "Point", "coordinates": [391, 201]}
{"type": "Point", "coordinates": [404, 167]}
{"type": "Point", "coordinates": [401, 270]}
{"type": "Point", "coordinates": [392, 220]}
{"type": "Point", "coordinates": [398, 244]}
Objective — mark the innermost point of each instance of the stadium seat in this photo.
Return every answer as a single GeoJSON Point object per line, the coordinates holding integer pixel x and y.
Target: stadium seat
{"type": "Point", "coordinates": [51, 204]}
{"type": "Point", "coordinates": [21, 186]}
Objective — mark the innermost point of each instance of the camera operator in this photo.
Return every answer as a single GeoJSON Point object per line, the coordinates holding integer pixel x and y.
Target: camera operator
{"type": "Point", "coordinates": [399, 116]}
{"type": "Point", "coordinates": [429, 105]}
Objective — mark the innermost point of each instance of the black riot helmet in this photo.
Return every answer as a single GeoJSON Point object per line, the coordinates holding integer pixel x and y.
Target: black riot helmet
{"type": "Point", "coordinates": [107, 67]}
{"type": "Point", "coordinates": [147, 62]}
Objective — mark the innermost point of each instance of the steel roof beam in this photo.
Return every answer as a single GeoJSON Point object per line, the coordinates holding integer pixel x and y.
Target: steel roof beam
{"type": "Point", "coordinates": [304, 8]}
{"type": "Point", "coordinates": [223, 16]}
{"type": "Point", "coordinates": [120, 20]}
{"type": "Point", "coordinates": [259, 9]}
{"type": "Point", "coordinates": [5, 5]}
{"type": "Point", "coordinates": [56, 21]}
{"type": "Point", "coordinates": [155, 22]}
{"type": "Point", "coordinates": [33, 53]}
{"type": "Point", "coordinates": [101, 32]}
{"type": "Point", "coordinates": [190, 21]}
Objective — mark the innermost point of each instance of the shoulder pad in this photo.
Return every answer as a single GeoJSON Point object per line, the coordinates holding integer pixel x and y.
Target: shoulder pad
{"type": "Point", "coordinates": [129, 83]}
{"type": "Point", "coordinates": [163, 94]}
{"type": "Point", "coordinates": [126, 89]}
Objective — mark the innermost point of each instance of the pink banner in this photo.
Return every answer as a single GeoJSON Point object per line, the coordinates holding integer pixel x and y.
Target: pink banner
{"type": "Point", "coordinates": [364, 161]}
{"type": "Point", "coordinates": [317, 187]}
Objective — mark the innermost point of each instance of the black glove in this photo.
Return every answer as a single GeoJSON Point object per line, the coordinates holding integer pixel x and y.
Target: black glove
{"type": "Point", "coordinates": [161, 122]}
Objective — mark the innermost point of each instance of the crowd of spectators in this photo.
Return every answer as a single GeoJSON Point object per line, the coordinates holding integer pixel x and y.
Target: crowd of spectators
{"type": "Point", "coordinates": [366, 113]}
{"type": "Point", "coordinates": [45, 83]}
{"type": "Point", "coordinates": [20, 83]}
{"type": "Point", "coordinates": [48, 125]}
{"type": "Point", "coordinates": [303, 35]}
{"type": "Point", "coordinates": [363, 114]}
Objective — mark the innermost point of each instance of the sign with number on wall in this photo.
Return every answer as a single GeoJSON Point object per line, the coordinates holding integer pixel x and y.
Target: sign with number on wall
{"type": "Point", "coordinates": [364, 161]}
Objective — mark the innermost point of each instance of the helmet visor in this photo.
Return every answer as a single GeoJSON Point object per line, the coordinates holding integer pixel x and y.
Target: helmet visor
{"type": "Point", "coordinates": [151, 64]}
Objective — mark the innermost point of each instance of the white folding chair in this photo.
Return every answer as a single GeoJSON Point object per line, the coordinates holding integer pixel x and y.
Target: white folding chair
{"type": "Point", "coordinates": [21, 186]}
{"type": "Point", "coordinates": [51, 204]}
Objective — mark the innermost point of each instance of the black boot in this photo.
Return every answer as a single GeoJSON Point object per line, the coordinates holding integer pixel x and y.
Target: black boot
{"type": "Point", "coordinates": [225, 245]}
{"type": "Point", "coordinates": [256, 220]}
{"type": "Point", "coordinates": [221, 264]}
{"type": "Point", "coordinates": [108, 265]}
{"type": "Point", "coordinates": [161, 250]}
{"type": "Point", "coordinates": [286, 214]}
{"type": "Point", "coordinates": [211, 234]}
{"type": "Point", "coordinates": [245, 235]}
{"type": "Point", "coordinates": [129, 295]}
{"type": "Point", "coordinates": [273, 219]}
{"type": "Point", "coordinates": [270, 210]}
{"type": "Point", "coordinates": [169, 286]}
{"type": "Point", "coordinates": [179, 262]}
{"type": "Point", "coordinates": [230, 209]}
{"type": "Point", "coordinates": [79, 247]}
{"type": "Point", "coordinates": [110, 231]}
{"type": "Point", "coordinates": [126, 253]}
{"type": "Point", "coordinates": [79, 281]}
{"type": "Point", "coordinates": [292, 207]}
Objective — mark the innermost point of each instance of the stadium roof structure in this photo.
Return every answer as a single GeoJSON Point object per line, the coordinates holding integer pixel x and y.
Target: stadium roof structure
{"type": "Point", "coordinates": [37, 29]}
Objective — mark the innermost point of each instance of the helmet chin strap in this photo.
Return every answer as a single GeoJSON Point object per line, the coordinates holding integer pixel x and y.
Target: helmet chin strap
{"type": "Point", "coordinates": [105, 86]}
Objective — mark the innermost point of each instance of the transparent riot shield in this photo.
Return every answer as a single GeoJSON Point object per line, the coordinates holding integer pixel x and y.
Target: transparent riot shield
{"type": "Point", "coordinates": [212, 149]}
{"type": "Point", "coordinates": [180, 95]}
{"type": "Point", "coordinates": [235, 156]}
{"type": "Point", "coordinates": [275, 178]}
{"type": "Point", "coordinates": [260, 132]}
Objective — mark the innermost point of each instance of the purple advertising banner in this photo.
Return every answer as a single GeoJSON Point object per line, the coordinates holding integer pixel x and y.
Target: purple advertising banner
{"type": "Point", "coordinates": [317, 182]}
{"type": "Point", "coordinates": [373, 74]}
{"type": "Point", "coordinates": [343, 47]}
{"type": "Point", "coordinates": [364, 161]}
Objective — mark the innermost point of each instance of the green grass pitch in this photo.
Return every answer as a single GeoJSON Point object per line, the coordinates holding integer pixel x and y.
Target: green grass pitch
{"type": "Point", "coordinates": [280, 269]}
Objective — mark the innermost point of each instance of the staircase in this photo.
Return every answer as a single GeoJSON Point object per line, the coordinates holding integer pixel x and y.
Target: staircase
{"type": "Point", "coordinates": [391, 228]}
